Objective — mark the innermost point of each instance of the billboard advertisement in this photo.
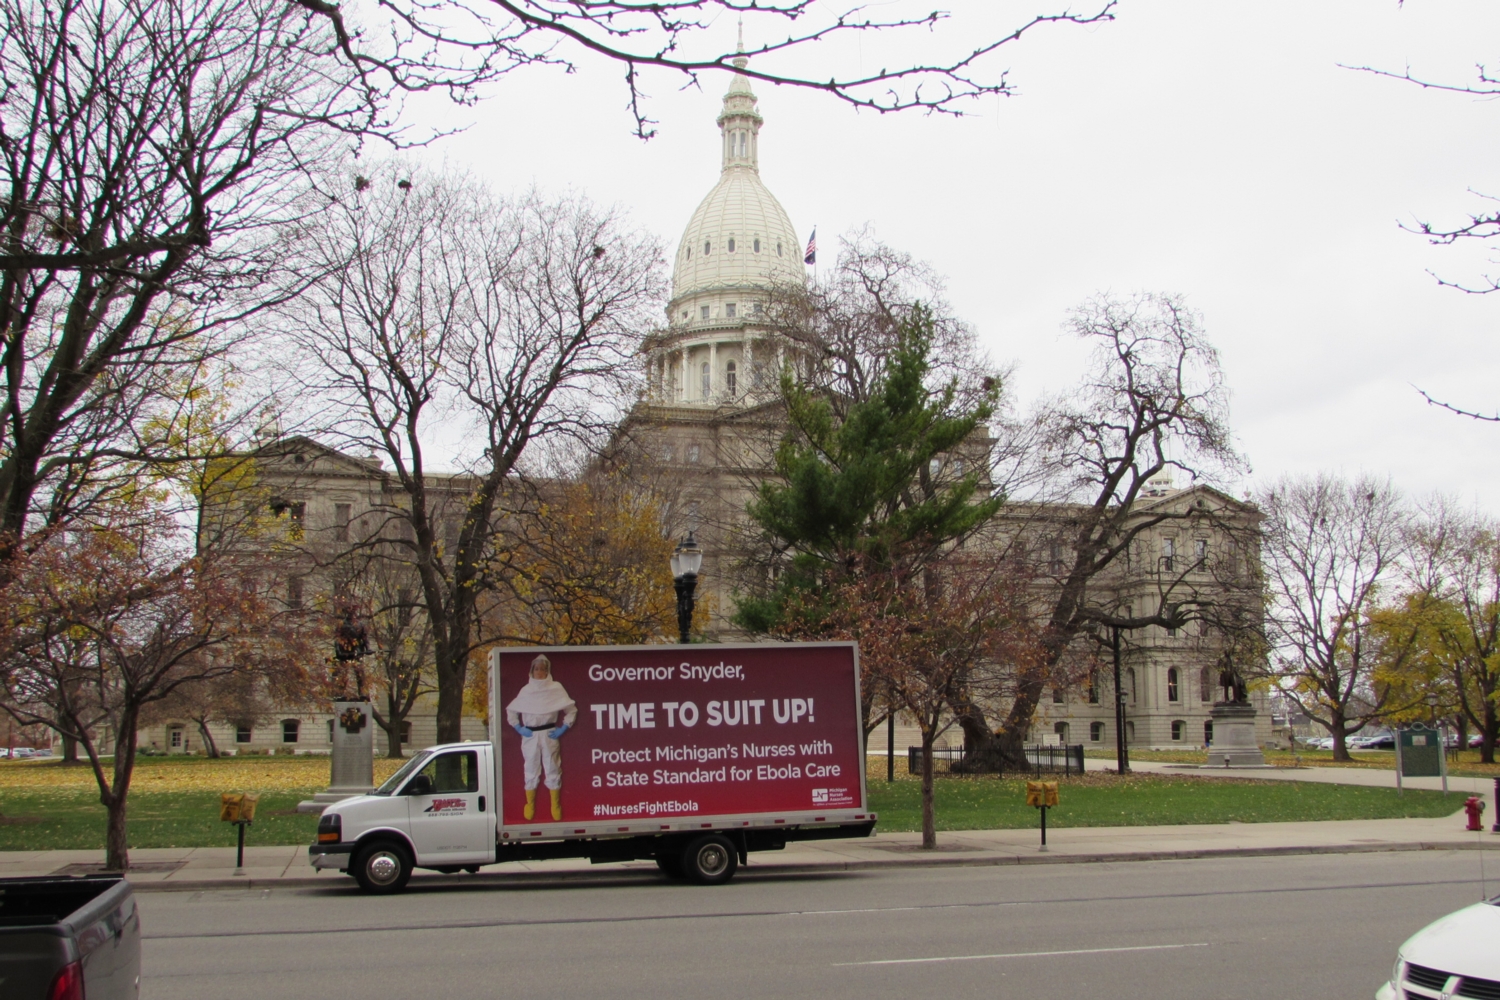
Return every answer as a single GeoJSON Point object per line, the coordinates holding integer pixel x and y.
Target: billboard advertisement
{"type": "Point", "coordinates": [590, 734]}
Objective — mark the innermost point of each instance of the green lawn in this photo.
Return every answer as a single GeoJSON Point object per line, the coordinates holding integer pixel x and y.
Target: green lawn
{"type": "Point", "coordinates": [1145, 800]}
{"type": "Point", "coordinates": [32, 820]}
{"type": "Point", "coordinates": [33, 817]}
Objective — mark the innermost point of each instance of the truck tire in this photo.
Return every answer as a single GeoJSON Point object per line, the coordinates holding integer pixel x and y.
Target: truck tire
{"type": "Point", "coordinates": [670, 865]}
{"type": "Point", "coordinates": [710, 860]}
{"type": "Point", "coordinates": [382, 867]}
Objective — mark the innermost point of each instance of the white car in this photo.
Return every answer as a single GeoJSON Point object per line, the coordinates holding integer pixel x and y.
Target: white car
{"type": "Point", "coordinates": [1455, 956]}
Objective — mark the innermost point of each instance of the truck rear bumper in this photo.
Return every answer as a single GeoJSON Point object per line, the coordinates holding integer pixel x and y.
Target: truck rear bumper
{"type": "Point", "coordinates": [329, 855]}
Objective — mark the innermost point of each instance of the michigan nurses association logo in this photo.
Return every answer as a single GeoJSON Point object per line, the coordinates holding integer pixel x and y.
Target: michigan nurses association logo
{"type": "Point", "coordinates": [820, 796]}
{"type": "Point", "coordinates": [832, 797]}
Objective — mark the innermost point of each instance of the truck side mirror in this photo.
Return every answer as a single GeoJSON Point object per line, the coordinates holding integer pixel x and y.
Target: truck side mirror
{"type": "Point", "coordinates": [420, 785]}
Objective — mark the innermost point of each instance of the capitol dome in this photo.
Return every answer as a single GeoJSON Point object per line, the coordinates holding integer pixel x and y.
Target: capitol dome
{"type": "Point", "coordinates": [740, 238]}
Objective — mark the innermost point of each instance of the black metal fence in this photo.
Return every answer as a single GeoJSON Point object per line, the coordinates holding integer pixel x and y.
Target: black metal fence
{"type": "Point", "coordinates": [1040, 759]}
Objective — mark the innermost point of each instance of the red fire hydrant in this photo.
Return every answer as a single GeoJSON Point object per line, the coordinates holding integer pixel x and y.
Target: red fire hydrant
{"type": "Point", "coordinates": [1474, 806]}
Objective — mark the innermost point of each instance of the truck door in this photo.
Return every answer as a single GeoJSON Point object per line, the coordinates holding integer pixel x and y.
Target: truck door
{"type": "Point", "coordinates": [452, 818]}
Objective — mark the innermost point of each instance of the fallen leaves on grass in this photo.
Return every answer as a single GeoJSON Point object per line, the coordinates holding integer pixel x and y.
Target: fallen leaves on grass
{"type": "Point", "coordinates": [188, 774]}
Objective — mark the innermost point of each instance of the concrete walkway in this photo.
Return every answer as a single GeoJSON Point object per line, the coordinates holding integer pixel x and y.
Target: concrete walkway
{"type": "Point", "coordinates": [202, 868]}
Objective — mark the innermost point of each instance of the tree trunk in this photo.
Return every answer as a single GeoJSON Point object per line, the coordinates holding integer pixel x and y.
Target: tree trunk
{"type": "Point", "coordinates": [929, 812]}
{"type": "Point", "coordinates": [70, 750]}
{"type": "Point", "coordinates": [1339, 729]}
{"type": "Point", "coordinates": [116, 843]}
{"type": "Point", "coordinates": [1490, 734]}
{"type": "Point", "coordinates": [208, 740]}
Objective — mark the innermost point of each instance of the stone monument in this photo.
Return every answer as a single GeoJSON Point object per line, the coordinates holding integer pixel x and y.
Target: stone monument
{"type": "Point", "coordinates": [1233, 743]}
{"type": "Point", "coordinates": [353, 754]}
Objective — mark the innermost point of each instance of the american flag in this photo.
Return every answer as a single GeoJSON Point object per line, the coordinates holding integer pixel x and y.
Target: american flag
{"type": "Point", "coordinates": [811, 257]}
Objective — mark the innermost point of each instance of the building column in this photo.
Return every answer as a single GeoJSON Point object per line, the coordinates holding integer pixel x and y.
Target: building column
{"type": "Point", "coordinates": [685, 381]}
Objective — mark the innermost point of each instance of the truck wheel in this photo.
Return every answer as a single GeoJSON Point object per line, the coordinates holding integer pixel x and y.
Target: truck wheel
{"type": "Point", "coordinates": [670, 865]}
{"type": "Point", "coordinates": [709, 860]}
{"type": "Point", "coordinates": [382, 867]}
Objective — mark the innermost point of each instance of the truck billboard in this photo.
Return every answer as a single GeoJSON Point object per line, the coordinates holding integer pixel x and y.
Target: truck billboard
{"type": "Point", "coordinates": [594, 734]}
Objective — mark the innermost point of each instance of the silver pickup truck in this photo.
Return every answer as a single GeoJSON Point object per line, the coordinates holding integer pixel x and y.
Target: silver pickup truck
{"type": "Point", "coordinates": [67, 938]}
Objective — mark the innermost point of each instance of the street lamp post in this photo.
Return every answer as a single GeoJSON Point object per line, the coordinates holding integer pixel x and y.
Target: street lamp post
{"type": "Point", "coordinates": [1122, 756]}
{"type": "Point", "coordinates": [687, 559]}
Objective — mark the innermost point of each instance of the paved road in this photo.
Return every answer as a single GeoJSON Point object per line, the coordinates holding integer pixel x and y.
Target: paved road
{"type": "Point", "coordinates": [1324, 926]}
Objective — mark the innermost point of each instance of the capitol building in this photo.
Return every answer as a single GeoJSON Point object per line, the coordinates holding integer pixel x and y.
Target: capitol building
{"type": "Point", "coordinates": [710, 416]}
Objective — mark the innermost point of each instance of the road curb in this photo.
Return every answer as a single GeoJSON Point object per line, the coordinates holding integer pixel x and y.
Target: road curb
{"type": "Point", "coordinates": [499, 879]}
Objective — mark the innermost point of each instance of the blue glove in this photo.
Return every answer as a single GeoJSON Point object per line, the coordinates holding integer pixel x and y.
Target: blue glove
{"type": "Point", "coordinates": [523, 730]}
{"type": "Point", "coordinates": [556, 734]}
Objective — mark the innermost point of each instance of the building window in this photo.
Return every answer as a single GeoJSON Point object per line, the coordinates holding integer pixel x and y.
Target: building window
{"type": "Point", "coordinates": [1200, 552]}
{"type": "Point", "coordinates": [731, 244]}
{"type": "Point", "coordinates": [1061, 729]}
{"type": "Point", "coordinates": [708, 248]}
{"type": "Point", "coordinates": [1058, 696]}
{"type": "Point", "coordinates": [174, 737]}
{"type": "Point", "coordinates": [1172, 685]}
{"type": "Point", "coordinates": [1208, 733]}
{"type": "Point", "coordinates": [1205, 685]}
{"type": "Point", "coordinates": [341, 515]}
{"type": "Point", "coordinates": [708, 382]}
{"type": "Point", "coordinates": [1055, 556]}
{"type": "Point", "coordinates": [758, 308]}
{"type": "Point", "coordinates": [1096, 732]}
{"type": "Point", "coordinates": [242, 734]}
{"type": "Point", "coordinates": [289, 730]}
{"type": "Point", "coordinates": [757, 244]}
{"type": "Point", "coordinates": [403, 607]}
{"type": "Point", "coordinates": [1178, 728]}
{"type": "Point", "coordinates": [294, 593]}
{"type": "Point", "coordinates": [729, 310]}
{"type": "Point", "coordinates": [406, 732]}
{"type": "Point", "coordinates": [330, 730]}
{"type": "Point", "coordinates": [1168, 553]}
{"type": "Point", "coordinates": [1130, 684]}
{"type": "Point", "coordinates": [666, 453]}
{"type": "Point", "coordinates": [704, 312]}
{"type": "Point", "coordinates": [1093, 688]}
{"type": "Point", "coordinates": [778, 249]}
{"type": "Point", "coordinates": [694, 452]}
{"type": "Point", "coordinates": [731, 379]}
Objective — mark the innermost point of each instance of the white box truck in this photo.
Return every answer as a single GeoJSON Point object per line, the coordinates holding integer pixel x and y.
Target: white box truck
{"type": "Point", "coordinates": [692, 756]}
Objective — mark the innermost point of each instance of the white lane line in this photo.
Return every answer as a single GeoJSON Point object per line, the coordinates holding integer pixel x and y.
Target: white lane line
{"type": "Point", "coordinates": [1027, 954]}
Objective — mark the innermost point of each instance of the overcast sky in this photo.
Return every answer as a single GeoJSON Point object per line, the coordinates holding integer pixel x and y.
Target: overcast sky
{"type": "Point", "coordinates": [1208, 148]}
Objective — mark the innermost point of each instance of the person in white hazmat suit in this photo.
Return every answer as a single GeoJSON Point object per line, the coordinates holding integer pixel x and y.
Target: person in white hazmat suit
{"type": "Point", "coordinates": [542, 712]}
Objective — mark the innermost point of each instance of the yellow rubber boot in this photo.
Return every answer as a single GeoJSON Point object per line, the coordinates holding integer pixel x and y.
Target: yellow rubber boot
{"type": "Point", "coordinates": [556, 802]}
{"type": "Point", "coordinates": [530, 809]}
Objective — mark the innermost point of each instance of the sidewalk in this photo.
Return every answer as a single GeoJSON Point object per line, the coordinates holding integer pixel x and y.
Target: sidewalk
{"type": "Point", "coordinates": [266, 867]}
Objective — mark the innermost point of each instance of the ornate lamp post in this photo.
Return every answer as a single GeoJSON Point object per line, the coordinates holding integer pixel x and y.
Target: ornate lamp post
{"type": "Point", "coordinates": [687, 559]}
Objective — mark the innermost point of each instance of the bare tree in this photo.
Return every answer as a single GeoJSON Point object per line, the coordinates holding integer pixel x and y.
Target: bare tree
{"type": "Point", "coordinates": [1153, 402]}
{"type": "Point", "coordinates": [1331, 547]}
{"type": "Point", "coordinates": [517, 318]}
{"type": "Point", "coordinates": [102, 624]}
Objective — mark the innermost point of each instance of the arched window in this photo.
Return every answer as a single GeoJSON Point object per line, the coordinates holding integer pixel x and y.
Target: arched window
{"type": "Point", "coordinates": [757, 244]}
{"type": "Point", "coordinates": [1208, 733]}
{"type": "Point", "coordinates": [708, 248]}
{"type": "Point", "coordinates": [1178, 728]}
{"type": "Point", "coordinates": [708, 382]}
{"type": "Point", "coordinates": [778, 248]}
{"type": "Point", "coordinates": [689, 253]}
{"type": "Point", "coordinates": [731, 244]}
{"type": "Point", "coordinates": [1205, 684]}
{"type": "Point", "coordinates": [289, 730]}
{"type": "Point", "coordinates": [1061, 729]}
{"type": "Point", "coordinates": [1172, 692]}
{"type": "Point", "coordinates": [1096, 732]}
{"type": "Point", "coordinates": [731, 379]}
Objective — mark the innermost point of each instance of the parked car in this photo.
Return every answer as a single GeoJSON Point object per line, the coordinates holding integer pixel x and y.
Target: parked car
{"type": "Point", "coordinates": [67, 938]}
{"type": "Point", "coordinates": [4, 752]}
{"type": "Point", "coordinates": [21, 753]}
{"type": "Point", "coordinates": [43, 752]}
{"type": "Point", "coordinates": [1452, 956]}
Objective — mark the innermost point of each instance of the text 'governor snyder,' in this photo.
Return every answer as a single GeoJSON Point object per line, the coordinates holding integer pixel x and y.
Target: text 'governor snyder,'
{"type": "Point", "coordinates": [662, 731]}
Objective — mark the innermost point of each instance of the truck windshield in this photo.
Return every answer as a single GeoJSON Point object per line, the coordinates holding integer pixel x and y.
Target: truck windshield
{"type": "Point", "coordinates": [395, 781]}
